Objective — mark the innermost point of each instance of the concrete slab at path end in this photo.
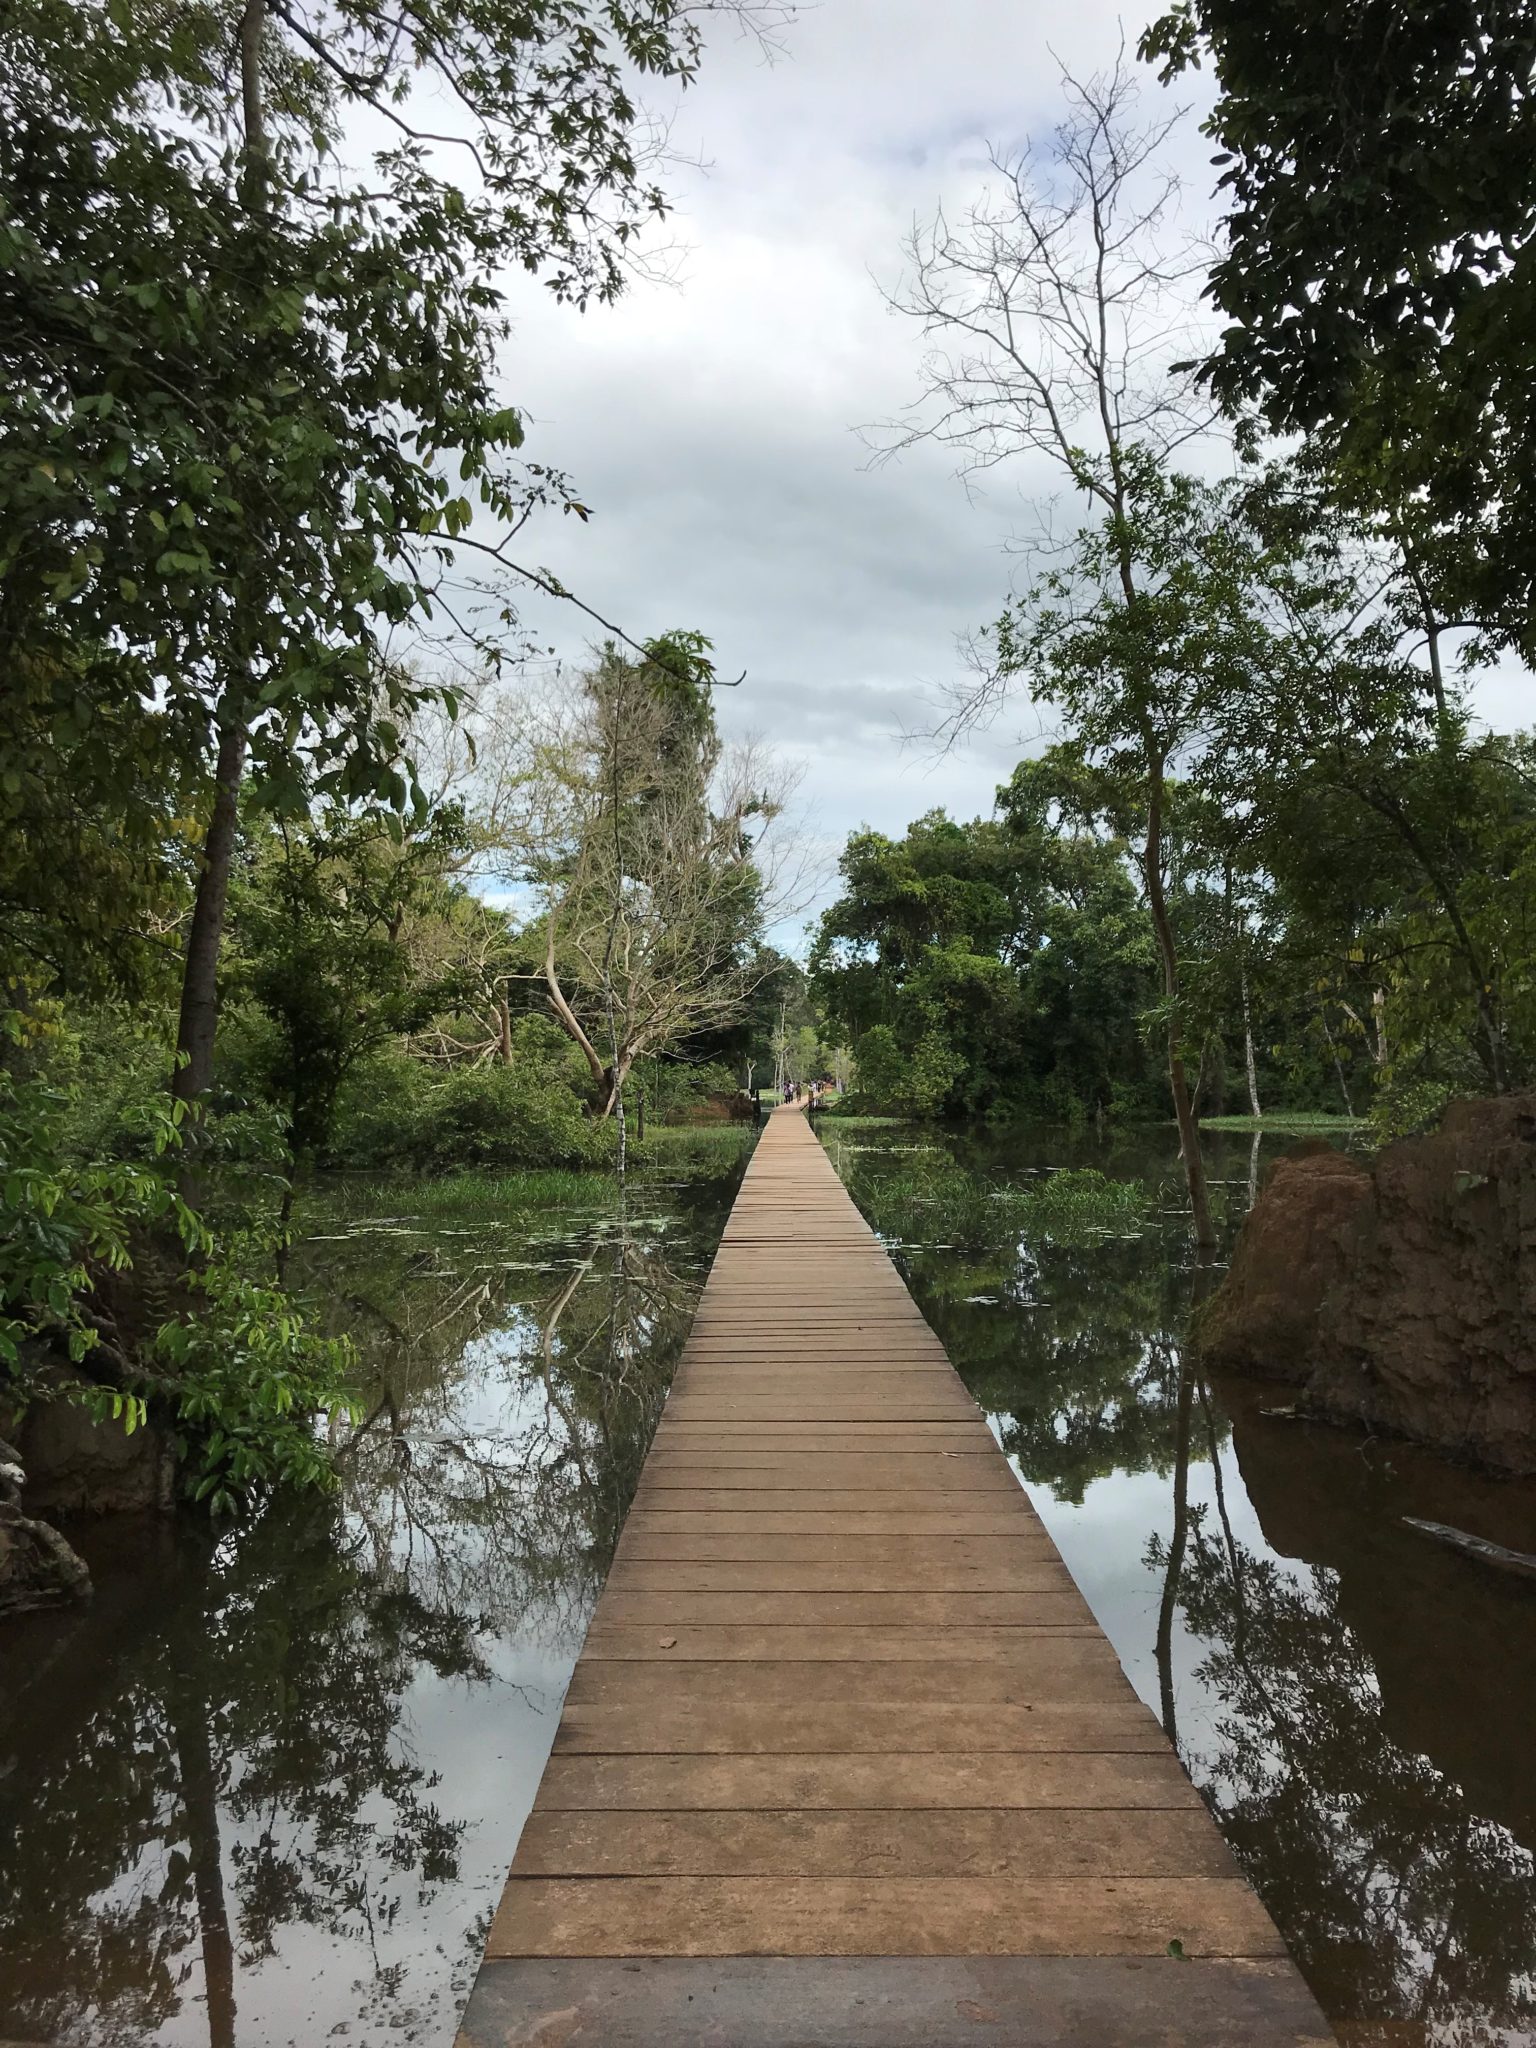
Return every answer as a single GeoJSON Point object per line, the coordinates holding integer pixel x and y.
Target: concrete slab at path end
{"type": "Point", "coordinates": [846, 1761]}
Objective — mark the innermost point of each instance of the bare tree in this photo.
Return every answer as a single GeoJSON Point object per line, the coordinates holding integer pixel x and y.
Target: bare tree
{"type": "Point", "coordinates": [1054, 316]}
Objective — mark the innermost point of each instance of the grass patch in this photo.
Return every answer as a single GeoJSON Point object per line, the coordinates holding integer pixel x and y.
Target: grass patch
{"type": "Point", "coordinates": [716, 1146]}
{"type": "Point", "coordinates": [1282, 1120]}
{"type": "Point", "coordinates": [489, 1195]}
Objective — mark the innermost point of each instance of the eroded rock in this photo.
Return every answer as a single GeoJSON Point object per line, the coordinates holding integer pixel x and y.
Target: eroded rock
{"type": "Point", "coordinates": [38, 1568]}
{"type": "Point", "coordinates": [78, 1466]}
{"type": "Point", "coordinates": [1400, 1294]}
{"type": "Point", "coordinates": [1298, 1245]}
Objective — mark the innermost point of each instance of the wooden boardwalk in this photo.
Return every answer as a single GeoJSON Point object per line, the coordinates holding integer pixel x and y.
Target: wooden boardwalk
{"type": "Point", "coordinates": [846, 1761]}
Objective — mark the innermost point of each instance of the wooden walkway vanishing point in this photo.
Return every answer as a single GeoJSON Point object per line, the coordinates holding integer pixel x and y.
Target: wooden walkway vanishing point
{"type": "Point", "coordinates": [846, 1761]}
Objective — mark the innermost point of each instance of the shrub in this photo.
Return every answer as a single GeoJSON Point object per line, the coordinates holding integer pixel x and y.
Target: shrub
{"type": "Point", "coordinates": [248, 1378]}
{"type": "Point", "coordinates": [397, 1111]}
{"type": "Point", "coordinates": [503, 1116]}
{"type": "Point", "coordinates": [92, 1246]}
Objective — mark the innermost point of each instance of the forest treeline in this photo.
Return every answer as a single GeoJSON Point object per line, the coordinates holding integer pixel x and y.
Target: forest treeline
{"type": "Point", "coordinates": [1359, 944]}
{"type": "Point", "coordinates": [301, 863]}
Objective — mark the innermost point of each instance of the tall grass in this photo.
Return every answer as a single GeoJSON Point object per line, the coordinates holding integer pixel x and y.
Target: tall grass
{"type": "Point", "coordinates": [475, 1195]}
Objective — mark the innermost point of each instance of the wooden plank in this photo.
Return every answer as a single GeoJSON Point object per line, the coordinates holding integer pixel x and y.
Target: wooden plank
{"type": "Point", "coordinates": [622, 1607]}
{"type": "Point", "coordinates": [1121, 1781]}
{"type": "Point", "coordinates": [957, 1843]}
{"type": "Point", "coordinates": [922, 1578]}
{"type": "Point", "coordinates": [876, 1474]}
{"type": "Point", "coordinates": [731, 1543]}
{"type": "Point", "coordinates": [892, 2002]}
{"type": "Point", "coordinates": [1008, 1502]}
{"type": "Point", "coordinates": [1061, 1668]}
{"type": "Point", "coordinates": [827, 1727]}
{"type": "Point", "coordinates": [841, 1700]}
{"type": "Point", "coordinates": [879, 1916]}
{"type": "Point", "coordinates": [960, 1439]}
{"type": "Point", "coordinates": [972, 1520]}
{"type": "Point", "coordinates": [678, 1643]}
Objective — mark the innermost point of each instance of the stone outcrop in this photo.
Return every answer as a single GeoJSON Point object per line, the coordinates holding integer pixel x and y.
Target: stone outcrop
{"type": "Point", "coordinates": [1401, 1293]}
{"type": "Point", "coordinates": [37, 1567]}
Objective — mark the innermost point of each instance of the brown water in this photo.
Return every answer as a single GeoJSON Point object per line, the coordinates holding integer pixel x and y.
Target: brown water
{"type": "Point", "coordinates": [265, 1789]}
{"type": "Point", "coordinates": [1354, 1701]}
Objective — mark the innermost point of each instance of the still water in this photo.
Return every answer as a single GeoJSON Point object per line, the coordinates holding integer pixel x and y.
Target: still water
{"type": "Point", "coordinates": [265, 1789]}
{"type": "Point", "coordinates": [1356, 1703]}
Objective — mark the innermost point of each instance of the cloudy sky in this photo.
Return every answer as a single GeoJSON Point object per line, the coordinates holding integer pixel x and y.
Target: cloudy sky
{"type": "Point", "coordinates": [711, 424]}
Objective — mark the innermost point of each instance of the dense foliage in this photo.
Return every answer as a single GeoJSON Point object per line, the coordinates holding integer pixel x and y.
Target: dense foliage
{"type": "Point", "coordinates": [238, 923]}
{"type": "Point", "coordinates": [1377, 170]}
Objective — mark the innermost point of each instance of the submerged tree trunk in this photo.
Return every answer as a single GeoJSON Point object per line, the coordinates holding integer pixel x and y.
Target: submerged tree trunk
{"type": "Point", "coordinates": [200, 1806]}
{"type": "Point", "coordinates": [1167, 1606]}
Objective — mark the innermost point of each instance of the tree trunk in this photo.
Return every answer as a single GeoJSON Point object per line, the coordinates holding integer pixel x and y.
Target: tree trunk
{"type": "Point", "coordinates": [1178, 1080]}
{"type": "Point", "coordinates": [200, 972]}
{"type": "Point", "coordinates": [200, 1806]}
{"type": "Point", "coordinates": [199, 1016]}
{"type": "Point", "coordinates": [503, 1030]}
{"type": "Point", "coordinates": [1338, 1065]}
{"type": "Point", "coordinates": [1178, 1537]}
{"type": "Point", "coordinates": [570, 1023]}
{"type": "Point", "coordinates": [1248, 1060]}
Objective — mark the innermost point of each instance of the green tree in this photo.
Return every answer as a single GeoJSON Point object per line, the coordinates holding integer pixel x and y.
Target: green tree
{"type": "Point", "coordinates": [1377, 273]}
{"type": "Point", "coordinates": [991, 968]}
{"type": "Point", "coordinates": [1143, 637]}
{"type": "Point", "coordinates": [643, 840]}
{"type": "Point", "coordinates": [248, 476]}
{"type": "Point", "coordinates": [322, 917]}
{"type": "Point", "coordinates": [1048, 316]}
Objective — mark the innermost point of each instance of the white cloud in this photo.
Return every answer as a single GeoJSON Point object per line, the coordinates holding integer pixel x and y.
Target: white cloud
{"type": "Point", "coordinates": [710, 426]}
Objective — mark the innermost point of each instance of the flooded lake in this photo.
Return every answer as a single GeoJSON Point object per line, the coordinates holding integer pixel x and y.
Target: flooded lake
{"type": "Point", "coordinates": [265, 1789]}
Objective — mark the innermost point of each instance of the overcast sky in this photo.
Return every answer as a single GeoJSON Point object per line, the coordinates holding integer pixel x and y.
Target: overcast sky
{"type": "Point", "coordinates": [711, 424]}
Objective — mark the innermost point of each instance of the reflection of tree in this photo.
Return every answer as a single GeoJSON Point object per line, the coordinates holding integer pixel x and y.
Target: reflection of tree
{"type": "Point", "coordinates": [497, 1477]}
{"type": "Point", "coordinates": [1398, 1900]}
{"type": "Point", "coordinates": [267, 1713]}
{"type": "Point", "coordinates": [243, 1765]}
{"type": "Point", "coordinates": [607, 1354]}
{"type": "Point", "coordinates": [1072, 1346]}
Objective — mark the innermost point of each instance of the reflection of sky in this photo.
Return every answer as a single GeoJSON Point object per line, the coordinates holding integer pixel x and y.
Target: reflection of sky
{"type": "Point", "coordinates": [488, 1745]}
{"type": "Point", "coordinates": [1104, 1544]}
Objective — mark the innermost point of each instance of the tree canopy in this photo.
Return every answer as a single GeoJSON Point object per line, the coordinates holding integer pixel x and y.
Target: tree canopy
{"type": "Point", "coordinates": [1379, 177]}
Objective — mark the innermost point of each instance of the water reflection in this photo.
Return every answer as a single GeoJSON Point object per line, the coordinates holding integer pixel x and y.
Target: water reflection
{"type": "Point", "coordinates": [1354, 1703]}
{"type": "Point", "coordinates": [265, 1790]}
